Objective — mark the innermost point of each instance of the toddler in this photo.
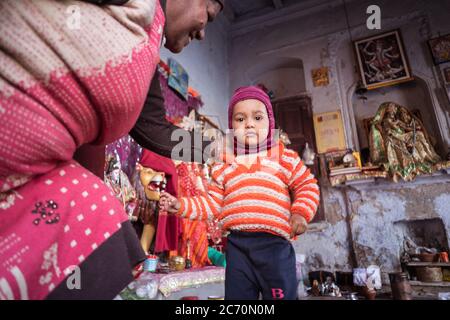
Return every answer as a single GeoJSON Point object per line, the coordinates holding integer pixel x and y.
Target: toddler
{"type": "Point", "coordinates": [263, 195]}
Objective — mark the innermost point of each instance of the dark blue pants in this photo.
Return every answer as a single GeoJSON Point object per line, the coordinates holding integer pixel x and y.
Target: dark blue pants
{"type": "Point", "coordinates": [259, 262]}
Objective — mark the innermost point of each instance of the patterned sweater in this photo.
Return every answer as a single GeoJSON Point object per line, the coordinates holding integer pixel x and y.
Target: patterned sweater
{"type": "Point", "coordinates": [259, 198]}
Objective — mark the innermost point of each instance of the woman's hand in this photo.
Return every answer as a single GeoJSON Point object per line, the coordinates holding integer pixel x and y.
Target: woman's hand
{"type": "Point", "coordinates": [168, 203]}
{"type": "Point", "coordinates": [298, 225]}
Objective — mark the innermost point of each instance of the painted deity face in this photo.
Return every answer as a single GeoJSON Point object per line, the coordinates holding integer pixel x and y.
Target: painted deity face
{"type": "Point", "coordinates": [153, 183]}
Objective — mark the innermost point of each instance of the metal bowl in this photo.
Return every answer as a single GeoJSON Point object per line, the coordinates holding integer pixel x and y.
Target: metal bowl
{"type": "Point", "coordinates": [177, 263]}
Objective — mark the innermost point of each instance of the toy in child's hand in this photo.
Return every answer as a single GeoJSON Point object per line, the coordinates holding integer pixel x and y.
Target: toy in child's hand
{"type": "Point", "coordinates": [152, 183]}
{"type": "Point", "coordinates": [168, 203]}
{"type": "Point", "coordinates": [298, 225]}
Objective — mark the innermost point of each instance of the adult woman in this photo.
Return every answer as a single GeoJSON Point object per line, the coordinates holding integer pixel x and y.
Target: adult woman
{"type": "Point", "coordinates": [65, 83]}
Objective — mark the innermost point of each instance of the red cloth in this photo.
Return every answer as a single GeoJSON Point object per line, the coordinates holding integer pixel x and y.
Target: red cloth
{"type": "Point", "coordinates": [162, 164]}
{"type": "Point", "coordinates": [168, 229]}
{"type": "Point", "coordinates": [194, 231]}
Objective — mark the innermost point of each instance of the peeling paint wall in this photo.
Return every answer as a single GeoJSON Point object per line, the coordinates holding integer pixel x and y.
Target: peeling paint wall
{"type": "Point", "coordinates": [327, 246]}
{"type": "Point", "coordinates": [376, 237]}
{"type": "Point", "coordinates": [368, 232]}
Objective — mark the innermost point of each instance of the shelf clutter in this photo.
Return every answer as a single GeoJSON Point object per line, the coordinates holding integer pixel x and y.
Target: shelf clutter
{"type": "Point", "coordinates": [343, 168]}
{"type": "Point", "coordinates": [428, 271]}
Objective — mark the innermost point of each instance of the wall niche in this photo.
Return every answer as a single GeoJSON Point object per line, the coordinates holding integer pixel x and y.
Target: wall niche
{"type": "Point", "coordinates": [413, 95]}
{"type": "Point", "coordinates": [283, 75]}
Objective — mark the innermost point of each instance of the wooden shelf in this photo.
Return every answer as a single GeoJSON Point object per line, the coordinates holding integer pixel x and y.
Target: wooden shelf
{"type": "Point", "coordinates": [428, 264]}
{"type": "Point", "coordinates": [445, 284]}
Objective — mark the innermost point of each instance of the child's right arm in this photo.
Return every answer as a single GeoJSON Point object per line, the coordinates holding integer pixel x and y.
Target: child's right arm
{"type": "Point", "coordinates": [206, 206]}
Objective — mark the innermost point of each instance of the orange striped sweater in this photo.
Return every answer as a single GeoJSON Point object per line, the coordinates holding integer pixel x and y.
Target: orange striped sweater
{"type": "Point", "coordinates": [259, 198]}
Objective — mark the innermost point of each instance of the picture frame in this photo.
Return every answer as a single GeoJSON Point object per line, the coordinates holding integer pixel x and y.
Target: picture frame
{"type": "Point", "coordinates": [320, 77]}
{"type": "Point", "coordinates": [382, 60]}
{"type": "Point", "coordinates": [178, 79]}
{"type": "Point", "coordinates": [329, 132]}
{"type": "Point", "coordinates": [440, 49]}
{"type": "Point", "coordinates": [446, 76]}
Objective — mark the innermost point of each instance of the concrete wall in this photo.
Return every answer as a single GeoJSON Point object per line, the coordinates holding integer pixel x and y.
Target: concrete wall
{"type": "Point", "coordinates": [360, 224]}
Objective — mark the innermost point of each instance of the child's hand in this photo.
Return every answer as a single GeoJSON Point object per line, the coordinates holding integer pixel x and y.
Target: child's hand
{"type": "Point", "coordinates": [298, 225]}
{"type": "Point", "coordinates": [168, 203]}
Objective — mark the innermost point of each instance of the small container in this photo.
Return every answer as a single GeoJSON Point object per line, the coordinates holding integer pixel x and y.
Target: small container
{"type": "Point", "coordinates": [443, 256]}
{"type": "Point", "coordinates": [150, 264]}
{"type": "Point", "coordinates": [446, 275]}
{"type": "Point", "coordinates": [369, 294]}
{"type": "Point", "coordinates": [429, 274]}
{"type": "Point", "coordinates": [188, 263]}
{"type": "Point", "coordinates": [400, 286]}
{"type": "Point", "coordinates": [177, 263]}
{"type": "Point", "coordinates": [350, 295]}
{"type": "Point", "coordinates": [428, 257]}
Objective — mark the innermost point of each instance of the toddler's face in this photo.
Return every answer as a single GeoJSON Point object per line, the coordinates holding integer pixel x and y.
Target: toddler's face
{"type": "Point", "coordinates": [250, 122]}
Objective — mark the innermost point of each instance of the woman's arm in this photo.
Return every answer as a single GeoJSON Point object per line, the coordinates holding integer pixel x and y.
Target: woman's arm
{"type": "Point", "coordinates": [154, 132]}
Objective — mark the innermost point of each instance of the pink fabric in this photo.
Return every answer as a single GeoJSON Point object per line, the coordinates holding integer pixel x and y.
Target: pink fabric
{"type": "Point", "coordinates": [53, 212]}
{"type": "Point", "coordinates": [41, 242]}
{"type": "Point", "coordinates": [247, 93]}
{"type": "Point", "coordinates": [43, 122]}
{"type": "Point", "coordinates": [168, 229]}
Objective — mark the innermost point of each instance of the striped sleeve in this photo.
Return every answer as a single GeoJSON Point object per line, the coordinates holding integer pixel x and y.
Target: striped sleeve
{"type": "Point", "coordinates": [305, 190]}
{"type": "Point", "coordinates": [207, 205]}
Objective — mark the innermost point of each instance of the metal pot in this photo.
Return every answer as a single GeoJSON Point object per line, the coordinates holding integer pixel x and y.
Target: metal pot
{"type": "Point", "coordinates": [177, 263]}
{"type": "Point", "coordinates": [400, 286]}
{"type": "Point", "coordinates": [350, 295]}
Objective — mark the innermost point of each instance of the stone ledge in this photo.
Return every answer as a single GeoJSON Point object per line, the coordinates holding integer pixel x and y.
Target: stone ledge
{"type": "Point", "coordinates": [378, 183]}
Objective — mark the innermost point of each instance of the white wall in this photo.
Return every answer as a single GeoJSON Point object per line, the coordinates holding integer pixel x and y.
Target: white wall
{"type": "Point", "coordinates": [207, 65]}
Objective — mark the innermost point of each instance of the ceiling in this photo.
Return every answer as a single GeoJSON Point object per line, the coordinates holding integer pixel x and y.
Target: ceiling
{"type": "Point", "coordinates": [239, 10]}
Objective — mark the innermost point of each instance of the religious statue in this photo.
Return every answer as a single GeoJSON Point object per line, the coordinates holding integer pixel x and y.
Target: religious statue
{"type": "Point", "coordinates": [329, 288]}
{"type": "Point", "coordinates": [153, 183]}
{"type": "Point", "coordinates": [399, 142]}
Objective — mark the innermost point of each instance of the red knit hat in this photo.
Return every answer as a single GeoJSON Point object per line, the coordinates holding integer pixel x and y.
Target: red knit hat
{"type": "Point", "coordinates": [252, 92]}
